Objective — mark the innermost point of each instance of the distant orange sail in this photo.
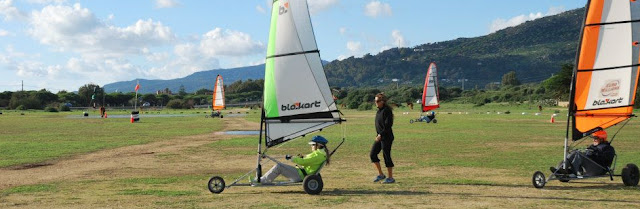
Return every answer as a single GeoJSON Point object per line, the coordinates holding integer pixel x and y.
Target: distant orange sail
{"type": "Point", "coordinates": [218, 94]}
{"type": "Point", "coordinates": [606, 76]}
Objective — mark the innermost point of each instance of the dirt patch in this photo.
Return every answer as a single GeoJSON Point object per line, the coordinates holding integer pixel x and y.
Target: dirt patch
{"type": "Point", "coordinates": [137, 160]}
{"type": "Point", "coordinates": [29, 166]}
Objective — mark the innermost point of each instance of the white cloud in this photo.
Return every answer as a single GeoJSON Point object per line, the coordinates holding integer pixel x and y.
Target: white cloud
{"type": "Point", "coordinates": [376, 9]}
{"type": "Point", "coordinates": [499, 24]}
{"type": "Point", "coordinates": [398, 39]}
{"type": "Point", "coordinates": [260, 9]}
{"type": "Point", "coordinates": [354, 46]}
{"type": "Point", "coordinates": [10, 12]}
{"type": "Point", "coordinates": [77, 29]}
{"type": "Point", "coordinates": [316, 6]}
{"type": "Point", "coordinates": [46, 1]}
{"type": "Point", "coordinates": [229, 43]}
{"type": "Point", "coordinates": [3, 33]}
{"type": "Point", "coordinates": [167, 4]}
{"type": "Point", "coordinates": [343, 30]}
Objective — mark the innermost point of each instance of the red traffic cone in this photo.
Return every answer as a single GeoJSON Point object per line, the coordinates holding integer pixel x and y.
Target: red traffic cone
{"type": "Point", "coordinates": [131, 119]}
{"type": "Point", "coordinates": [553, 118]}
{"type": "Point", "coordinates": [105, 115]}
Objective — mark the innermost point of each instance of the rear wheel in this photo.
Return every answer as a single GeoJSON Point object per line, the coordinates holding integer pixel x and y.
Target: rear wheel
{"type": "Point", "coordinates": [630, 175]}
{"type": "Point", "coordinates": [411, 121]}
{"type": "Point", "coordinates": [435, 121]}
{"type": "Point", "coordinates": [538, 180]}
{"type": "Point", "coordinates": [216, 184]}
{"type": "Point", "coordinates": [313, 184]}
{"type": "Point", "coordinates": [221, 116]}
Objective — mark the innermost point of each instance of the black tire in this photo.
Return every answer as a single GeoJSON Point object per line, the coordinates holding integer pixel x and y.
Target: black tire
{"type": "Point", "coordinates": [630, 175]}
{"type": "Point", "coordinates": [563, 180]}
{"type": "Point", "coordinates": [435, 121]}
{"type": "Point", "coordinates": [411, 121]}
{"type": "Point", "coordinates": [313, 184]}
{"type": "Point", "coordinates": [221, 116]}
{"type": "Point", "coordinates": [538, 180]}
{"type": "Point", "coordinates": [216, 184]}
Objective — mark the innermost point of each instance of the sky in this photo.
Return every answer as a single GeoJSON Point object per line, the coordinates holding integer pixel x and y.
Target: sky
{"type": "Point", "coordinates": [64, 44]}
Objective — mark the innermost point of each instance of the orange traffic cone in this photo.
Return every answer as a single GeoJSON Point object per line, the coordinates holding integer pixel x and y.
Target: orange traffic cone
{"type": "Point", "coordinates": [105, 115]}
{"type": "Point", "coordinates": [553, 118]}
{"type": "Point", "coordinates": [131, 119]}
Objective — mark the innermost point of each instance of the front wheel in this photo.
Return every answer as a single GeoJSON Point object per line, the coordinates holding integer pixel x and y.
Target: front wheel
{"type": "Point", "coordinates": [538, 180]}
{"type": "Point", "coordinates": [411, 121]}
{"type": "Point", "coordinates": [630, 175]}
{"type": "Point", "coordinates": [221, 116]}
{"type": "Point", "coordinates": [216, 184]}
{"type": "Point", "coordinates": [313, 184]}
{"type": "Point", "coordinates": [435, 121]}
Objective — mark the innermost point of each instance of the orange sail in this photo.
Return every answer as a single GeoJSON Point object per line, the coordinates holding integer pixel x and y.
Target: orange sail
{"type": "Point", "coordinates": [606, 75]}
{"type": "Point", "coordinates": [218, 94]}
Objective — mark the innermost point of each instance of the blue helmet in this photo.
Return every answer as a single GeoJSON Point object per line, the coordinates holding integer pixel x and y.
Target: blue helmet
{"type": "Point", "coordinates": [319, 140]}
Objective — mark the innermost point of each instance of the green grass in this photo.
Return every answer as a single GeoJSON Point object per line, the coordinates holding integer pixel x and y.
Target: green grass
{"type": "Point", "coordinates": [487, 159]}
{"type": "Point", "coordinates": [30, 189]}
{"type": "Point", "coordinates": [36, 136]}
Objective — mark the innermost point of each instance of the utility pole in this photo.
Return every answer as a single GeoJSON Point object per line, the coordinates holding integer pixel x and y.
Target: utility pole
{"type": "Point", "coordinates": [463, 83]}
{"type": "Point", "coordinates": [22, 86]}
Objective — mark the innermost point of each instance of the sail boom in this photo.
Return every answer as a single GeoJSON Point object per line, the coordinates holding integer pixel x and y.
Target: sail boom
{"type": "Point", "coordinates": [607, 68]}
{"type": "Point", "coordinates": [612, 23]}
{"type": "Point", "coordinates": [293, 53]}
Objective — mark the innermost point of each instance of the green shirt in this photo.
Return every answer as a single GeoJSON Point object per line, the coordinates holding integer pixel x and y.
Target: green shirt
{"type": "Point", "coordinates": [311, 162]}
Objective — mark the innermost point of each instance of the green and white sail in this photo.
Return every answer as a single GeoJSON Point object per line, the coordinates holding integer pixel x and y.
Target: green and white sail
{"type": "Point", "coordinates": [297, 97]}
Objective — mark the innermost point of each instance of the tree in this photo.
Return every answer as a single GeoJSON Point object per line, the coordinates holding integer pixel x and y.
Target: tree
{"type": "Point", "coordinates": [510, 79]}
{"type": "Point", "coordinates": [182, 91]}
{"type": "Point", "coordinates": [559, 84]}
{"type": "Point", "coordinates": [91, 94]}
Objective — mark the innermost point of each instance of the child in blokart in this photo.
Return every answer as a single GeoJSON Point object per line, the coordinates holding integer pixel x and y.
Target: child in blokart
{"type": "Point", "coordinates": [600, 152]}
{"type": "Point", "coordinates": [306, 165]}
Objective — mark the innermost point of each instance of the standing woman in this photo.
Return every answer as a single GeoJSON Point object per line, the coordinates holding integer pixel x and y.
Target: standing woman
{"type": "Point", "coordinates": [384, 139]}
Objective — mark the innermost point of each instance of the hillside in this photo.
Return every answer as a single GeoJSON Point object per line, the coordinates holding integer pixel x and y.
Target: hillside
{"type": "Point", "coordinates": [193, 82]}
{"type": "Point", "coordinates": [534, 49]}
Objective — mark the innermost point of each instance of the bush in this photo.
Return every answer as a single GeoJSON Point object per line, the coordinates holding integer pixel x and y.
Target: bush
{"type": "Point", "coordinates": [175, 104]}
{"type": "Point", "coordinates": [50, 109]}
{"type": "Point", "coordinates": [64, 108]}
{"type": "Point", "coordinates": [365, 106]}
{"type": "Point", "coordinates": [21, 107]}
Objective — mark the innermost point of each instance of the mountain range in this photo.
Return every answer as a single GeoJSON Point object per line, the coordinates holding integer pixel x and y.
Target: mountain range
{"type": "Point", "coordinates": [534, 50]}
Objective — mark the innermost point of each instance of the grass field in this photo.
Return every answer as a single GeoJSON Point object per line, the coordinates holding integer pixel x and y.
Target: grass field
{"type": "Point", "coordinates": [472, 158]}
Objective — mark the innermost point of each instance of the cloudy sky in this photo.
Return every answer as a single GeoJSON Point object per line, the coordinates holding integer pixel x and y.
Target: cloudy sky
{"type": "Point", "coordinates": [63, 44]}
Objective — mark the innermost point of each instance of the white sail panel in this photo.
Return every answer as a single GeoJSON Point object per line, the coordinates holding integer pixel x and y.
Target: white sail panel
{"type": "Point", "coordinates": [294, 33]}
{"type": "Point", "coordinates": [611, 89]}
{"type": "Point", "coordinates": [614, 47]}
{"type": "Point", "coordinates": [431, 97]}
{"type": "Point", "coordinates": [218, 94]}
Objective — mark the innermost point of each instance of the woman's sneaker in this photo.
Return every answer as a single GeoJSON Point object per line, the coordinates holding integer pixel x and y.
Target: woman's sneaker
{"type": "Point", "coordinates": [389, 181]}
{"type": "Point", "coordinates": [379, 178]}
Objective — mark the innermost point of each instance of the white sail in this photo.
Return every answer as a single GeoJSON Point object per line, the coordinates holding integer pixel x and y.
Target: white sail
{"type": "Point", "coordinates": [297, 98]}
{"type": "Point", "coordinates": [218, 94]}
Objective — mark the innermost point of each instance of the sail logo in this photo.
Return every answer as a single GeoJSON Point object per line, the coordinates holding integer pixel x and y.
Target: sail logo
{"type": "Point", "coordinates": [611, 88]}
{"type": "Point", "coordinates": [299, 105]}
{"type": "Point", "coordinates": [601, 102]}
{"type": "Point", "coordinates": [283, 10]}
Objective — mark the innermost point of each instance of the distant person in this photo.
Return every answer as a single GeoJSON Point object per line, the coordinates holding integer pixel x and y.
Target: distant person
{"type": "Point", "coordinates": [384, 139]}
{"type": "Point", "coordinates": [600, 152]}
{"type": "Point", "coordinates": [102, 111]}
{"type": "Point", "coordinates": [306, 165]}
{"type": "Point", "coordinates": [539, 108]}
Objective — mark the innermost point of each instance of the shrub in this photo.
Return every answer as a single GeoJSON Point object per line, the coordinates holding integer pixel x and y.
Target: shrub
{"type": "Point", "coordinates": [50, 109]}
{"type": "Point", "coordinates": [365, 106]}
{"type": "Point", "coordinates": [64, 108]}
{"type": "Point", "coordinates": [175, 104]}
{"type": "Point", "coordinates": [21, 107]}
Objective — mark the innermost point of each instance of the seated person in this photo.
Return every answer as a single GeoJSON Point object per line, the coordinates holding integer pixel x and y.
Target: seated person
{"type": "Point", "coordinates": [600, 152]}
{"type": "Point", "coordinates": [431, 116]}
{"type": "Point", "coordinates": [306, 165]}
